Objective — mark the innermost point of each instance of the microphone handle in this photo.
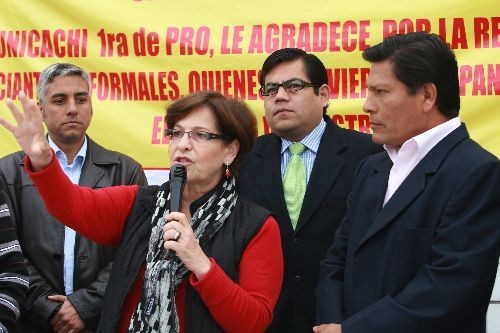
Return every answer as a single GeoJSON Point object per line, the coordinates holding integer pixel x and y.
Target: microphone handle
{"type": "Point", "coordinates": [177, 180]}
{"type": "Point", "coordinates": [175, 196]}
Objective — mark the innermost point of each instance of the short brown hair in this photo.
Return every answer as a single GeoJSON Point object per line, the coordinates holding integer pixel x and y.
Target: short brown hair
{"type": "Point", "coordinates": [234, 119]}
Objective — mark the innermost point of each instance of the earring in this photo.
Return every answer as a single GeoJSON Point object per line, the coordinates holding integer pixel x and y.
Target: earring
{"type": "Point", "coordinates": [228, 173]}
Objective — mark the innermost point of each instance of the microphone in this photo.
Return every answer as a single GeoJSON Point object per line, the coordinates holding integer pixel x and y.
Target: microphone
{"type": "Point", "coordinates": [177, 181]}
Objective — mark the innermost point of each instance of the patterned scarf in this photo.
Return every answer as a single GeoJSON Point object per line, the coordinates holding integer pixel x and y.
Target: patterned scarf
{"type": "Point", "coordinates": [156, 312]}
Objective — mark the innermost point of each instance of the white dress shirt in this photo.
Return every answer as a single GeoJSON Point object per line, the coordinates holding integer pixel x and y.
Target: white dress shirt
{"type": "Point", "coordinates": [73, 171]}
{"type": "Point", "coordinates": [406, 158]}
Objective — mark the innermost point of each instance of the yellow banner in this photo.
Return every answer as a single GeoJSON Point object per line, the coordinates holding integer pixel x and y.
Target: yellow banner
{"type": "Point", "coordinates": [144, 54]}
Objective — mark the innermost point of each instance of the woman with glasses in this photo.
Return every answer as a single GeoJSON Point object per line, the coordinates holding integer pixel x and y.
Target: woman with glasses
{"type": "Point", "coordinates": [226, 269]}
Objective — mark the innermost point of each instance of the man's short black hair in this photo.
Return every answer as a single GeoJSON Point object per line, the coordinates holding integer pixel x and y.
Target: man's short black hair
{"type": "Point", "coordinates": [419, 58]}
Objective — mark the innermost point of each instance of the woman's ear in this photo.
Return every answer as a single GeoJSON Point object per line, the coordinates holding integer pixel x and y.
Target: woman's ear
{"type": "Point", "coordinates": [232, 151]}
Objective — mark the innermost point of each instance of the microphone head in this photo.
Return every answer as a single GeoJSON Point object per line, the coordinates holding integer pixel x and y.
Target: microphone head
{"type": "Point", "coordinates": [178, 173]}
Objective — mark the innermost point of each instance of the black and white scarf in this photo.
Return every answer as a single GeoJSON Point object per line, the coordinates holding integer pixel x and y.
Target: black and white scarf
{"type": "Point", "coordinates": [156, 311]}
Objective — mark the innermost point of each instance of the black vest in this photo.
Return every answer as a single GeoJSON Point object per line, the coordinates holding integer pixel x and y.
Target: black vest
{"type": "Point", "coordinates": [226, 248]}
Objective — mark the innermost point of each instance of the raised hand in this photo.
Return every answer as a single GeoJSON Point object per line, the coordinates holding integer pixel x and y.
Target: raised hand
{"type": "Point", "coordinates": [29, 131]}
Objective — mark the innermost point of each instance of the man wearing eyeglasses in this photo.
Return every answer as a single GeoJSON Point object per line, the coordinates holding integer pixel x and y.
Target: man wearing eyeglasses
{"type": "Point", "coordinates": [67, 272]}
{"type": "Point", "coordinates": [296, 94]}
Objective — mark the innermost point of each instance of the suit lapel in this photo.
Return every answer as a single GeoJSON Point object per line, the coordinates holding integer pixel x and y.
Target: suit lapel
{"type": "Point", "coordinates": [374, 191]}
{"type": "Point", "coordinates": [267, 176]}
{"type": "Point", "coordinates": [90, 173]}
{"type": "Point", "coordinates": [326, 170]}
{"type": "Point", "coordinates": [413, 185]}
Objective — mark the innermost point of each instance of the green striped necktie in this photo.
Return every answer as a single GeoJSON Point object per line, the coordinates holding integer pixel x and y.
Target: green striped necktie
{"type": "Point", "coordinates": [294, 182]}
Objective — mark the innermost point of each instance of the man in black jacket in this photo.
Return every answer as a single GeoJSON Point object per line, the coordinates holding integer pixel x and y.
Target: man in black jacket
{"type": "Point", "coordinates": [68, 273]}
{"type": "Point", "coordinates": [296, 95]}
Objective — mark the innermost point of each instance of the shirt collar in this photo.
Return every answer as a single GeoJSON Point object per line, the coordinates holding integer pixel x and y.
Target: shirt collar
{"type": "Point", "coordinates": [61, 156]}
{"type": "Point", "coordinates": [425, 141]}
{"type": "Point", "coordinates": [311, 141]}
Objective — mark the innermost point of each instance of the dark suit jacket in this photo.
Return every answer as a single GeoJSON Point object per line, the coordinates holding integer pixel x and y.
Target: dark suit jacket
{"type": "Point", "coordinates": [42, 239]}
{"type": "Point", "coordinates": [339, 153]}
{"type": "Point", "coordinates": [427, 260]}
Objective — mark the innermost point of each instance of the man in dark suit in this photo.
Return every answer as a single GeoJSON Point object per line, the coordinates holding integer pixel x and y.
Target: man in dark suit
{"type": "Point", "coordinates": [296, 96]}
{"type": "Point", "coordinates": [418, 249]}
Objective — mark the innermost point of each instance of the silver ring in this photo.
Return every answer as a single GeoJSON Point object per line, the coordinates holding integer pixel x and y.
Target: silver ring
{"type": "Point", "coordinates": [177, 235]}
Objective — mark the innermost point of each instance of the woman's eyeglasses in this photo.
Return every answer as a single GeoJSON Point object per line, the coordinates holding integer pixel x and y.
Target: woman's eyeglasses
{"type": "Point", "coordinates": [199, 136]}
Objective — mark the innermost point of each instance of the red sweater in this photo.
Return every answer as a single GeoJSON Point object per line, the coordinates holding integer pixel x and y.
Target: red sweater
{"type": "Point", "coordinates": [243, 307]}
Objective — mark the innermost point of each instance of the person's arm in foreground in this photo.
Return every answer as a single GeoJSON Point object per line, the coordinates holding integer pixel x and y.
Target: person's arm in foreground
{"type": "Point", "coordinates": [13, 272]}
